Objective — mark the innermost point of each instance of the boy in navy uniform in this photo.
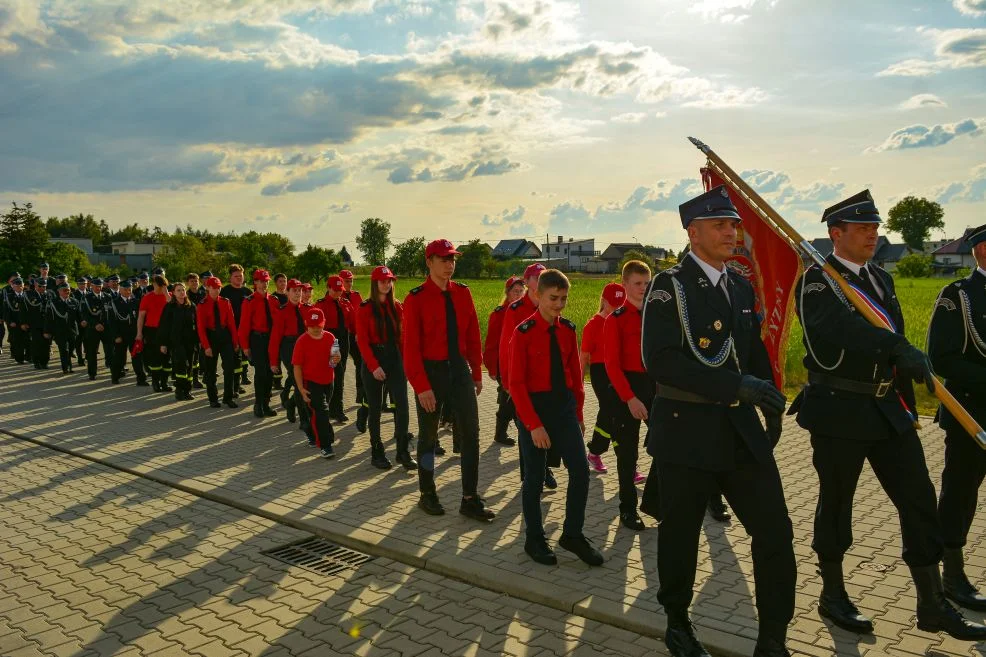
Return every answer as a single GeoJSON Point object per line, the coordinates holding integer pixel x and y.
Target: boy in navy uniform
{"type": "Point", "coordinates": [546, 386]}
{"type": "Point", "coordinates": [957, 347]}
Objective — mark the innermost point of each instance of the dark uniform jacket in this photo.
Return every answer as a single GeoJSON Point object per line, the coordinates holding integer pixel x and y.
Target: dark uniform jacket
{"type": "Point", "coordinates": [178, 325]}
{"type": "Point", "coordinates": [694, 434]}
{"type": "Point", "coordinates": [840, 343]}
{"type": "Point", "coordinates": [957, 346]}
{"type": "Point", "coordinates": [32, 311]}
{"type": "Point", "coordinates": [121, 318]}
{"type": "Point", "coordinates": [61, 319]}
{"type": "Point", "coordinates": [92, 310]}
{"type": "Point", "coordinates": [10, 306]}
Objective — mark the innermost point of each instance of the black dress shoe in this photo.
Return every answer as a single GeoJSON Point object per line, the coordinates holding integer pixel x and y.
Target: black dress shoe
{"type": "Point", "coordinates": [681, 641]}
{"type": "Point", "coordinates": [269, 412]}
{"type": "Point", "coordinates": [770, 648]}
{"type": "Point", "coordinates": [215, 404]}
{"type": "Point", "coordinates": [504, 440]}
{"type": "Point", "coordinates": [582, 548]}
{"type": "Point", "coordinates": [407, 461]}
{"type": "Point", "coordinates": [381, 462]}
{"type": "Point", "coordinates": [958, 588]}
{"type": "Point", "coordinates": [935, 613]}
{"type": "Point", "coordinates": [549, 479]}
{"type": "Point", "coordinates": [842, 612]}
{"type": "Point", "coordinates": [439, 450]}
{"type": "Point", "coordinates": [232, 404]}
{"type": "Point", "coordinates": [719, 511]}
{"type": "Point", "coordinates": [631, 520]}
{"type": "Point", "coordinates": [538, 550]}
{"type": "Point", "coordinates": [428, 502]}
{"type": "Point", "coordinates": [143, 384]}
{"type": "Point", "coordinates": [473, 507]}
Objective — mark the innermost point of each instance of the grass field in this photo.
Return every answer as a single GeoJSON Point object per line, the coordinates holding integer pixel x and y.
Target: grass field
{"type": "Point", "coordinates": [917, 296]}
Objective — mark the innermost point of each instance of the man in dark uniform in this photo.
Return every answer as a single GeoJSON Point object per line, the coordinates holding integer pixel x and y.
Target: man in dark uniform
{"type": "Point", "coordinates": [235, 292]}
{"type": "Point", "coordinates": [50, 282]}
{"type": "Point", "coordinates": [858, 407]}
{"type": "Point", "coordinates": [712, 371]}
{"type": "Point", "coordinates": [957, 349]}
{"type": "Point", "coordinates": [12, 304]}
{"type": "Point", "coordinates": [143, 286]}
{"type": "Point", "coordinates": [62, 325]}
{"type": "Point", "coordinates": [121, 325]}
{"type": "Point", "coordinates": [92, 320]}
{"type": "Point", "coordinates": [110, 290]}
{"type": "Point", "coordinates": [33, 317]}
{"type": "Point", "coordinates": [80, 290]}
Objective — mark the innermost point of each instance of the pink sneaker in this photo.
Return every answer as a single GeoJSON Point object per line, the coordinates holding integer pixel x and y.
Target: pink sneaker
{"type": "Point", "coordinates": [639, 478]}
{"type": "Point", "coordinates": [597, 463]}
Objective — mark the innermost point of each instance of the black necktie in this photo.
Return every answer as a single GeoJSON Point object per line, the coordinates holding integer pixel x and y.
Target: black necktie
{"type": "Point", "coordinates": [557, 368]}
{"type": "Point", "coordinates": [301, 322]}
{"type": "Point", "coordinates": [451, 328]}
{"type": "Point", "coordinates": [868, 283]}
{"type": "Point", "coordinates": [340, 318]}
{"type": "Point", "coordinates": [215, 313]}
{"type": "Point", "coordinates": [270, 320]}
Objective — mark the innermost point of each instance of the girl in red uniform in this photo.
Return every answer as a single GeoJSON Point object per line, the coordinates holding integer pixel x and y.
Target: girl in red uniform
{"type": "Point", "coordinates": [148, 321]}
{"type": "Point", "coordinates": [592, 354]}
{"type": "Point", "coordinates": [314, 360]}
{"type": "Point", "coordinates": [514, 290]}
{"type": "Point", "coordinates": [379, 322]}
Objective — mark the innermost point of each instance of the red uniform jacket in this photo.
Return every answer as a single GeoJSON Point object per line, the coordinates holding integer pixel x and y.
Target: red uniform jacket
{"type": "Point", "coordinates": [530, 365]}
{"type": "Point", "coordinates": [368, 331]}
{"type": "Point", "coordinates": [491, 348]}
{"type": "Point", "coordinates": [205, 320]}
{"type": "Point", "coordinates": [355, 300]}
{"type": "Point", "coordinates": [288, 322]}
{"type": "Point", "coordinates": [592, 339]}
{"type": "Point", "coordinates": [621, 342]}
{"type": "Point", "coordinates": [254, 316]}
{"type": "Point", "coordinates": [331, 308]}
{"type": "Point", "coordinates": [425, 334]}
{"type": "Point", "coordinates": [516, 313]}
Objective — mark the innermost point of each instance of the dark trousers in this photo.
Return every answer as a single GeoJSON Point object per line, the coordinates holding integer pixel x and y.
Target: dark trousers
{"type": "Point", "coordinates": [626, 438]}
{"type": "Point", "coordinates": [80, 342]}
{"type": "Point", "coordinates": [40, 348]}
{"type": "Point", "coordinates": [396, 385]}
{"type": "Point", "coordinates": [320, 429]}
{"type": "Point", "coordinates": [965, 468]}
{"type": "Point", "coordinates": [263, 378]}
{"type": "Point", "coordinates": [107, 341]}
{"type": "Point", "coordinates": [20, 344]}
{"type": "Point", "coordinates": [65, 344]}
{"type": "Point", "coordinates": [93, 339]}
{"type": "Point", "coordinates": [222, 348]}
{"type": "Point", "coordinates": [558, 414]}
{"type": "Point", "coordinates": [505, 411]}
{"type": "Point", "coordinates": [335, 403]}
{"type": "Point", "coordinates": [608, 401]}
{"type": "Point", "coordinates": [357, 363]}
{"type": "Point", "coordinates": [454, 388]}
{"type": "Point", "coordinates": [899, 465]}
{"type": "Point", "coordinates": [754, 491]}
{"type": "Point", "coordinates": [181, 363]}
{"type": "Point", "coordinates": [157, 363]}
{"type": "Point", "coordinates": [119, 359]}
{"type": "Point", "coordinates": [290, 393]}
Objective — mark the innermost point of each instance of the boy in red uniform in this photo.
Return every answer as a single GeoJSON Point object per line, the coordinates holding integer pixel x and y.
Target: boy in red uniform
{"type": "Point", "coordinates": [314, 361]}
{"type": "Point", "coordinates": [148, 320]}
{"type": "Point", "coordinates": [443, 361]}
{"type": "Point", "coordinates": [338, 322]}
{"type": "Point", "coordinates": [289, 324]}
{"type": "Point", "coordinates": [355, 300]}
{"type": "Point", "coordinates": [593, 359]}
{"type": "Point", "coordinates": [513, 291]}
{"type": "Point", "coordinates": [256, 324]}
{"type": "Point", "coordinates": [546, 386]}
{"type": "Point", "coordinates": [216, 326]}
{"type": "Point", "coordinates": [635, 390]}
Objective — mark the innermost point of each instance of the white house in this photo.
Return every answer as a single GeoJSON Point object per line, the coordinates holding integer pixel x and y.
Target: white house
{"type": "Point", "coordinates": [576, 254]}
{"type": "Point", "coordinates": [136, 248]}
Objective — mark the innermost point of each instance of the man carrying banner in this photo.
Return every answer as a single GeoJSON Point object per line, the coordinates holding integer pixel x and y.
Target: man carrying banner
{"type": "Point", "coordinates": [857, 407]}
{"type": "Point", "coordinates": [701, 343]}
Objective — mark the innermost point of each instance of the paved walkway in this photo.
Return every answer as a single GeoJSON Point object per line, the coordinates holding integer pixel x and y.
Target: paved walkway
{"type": "Point", "coordinates": [266, 467]}
{"type": "Point", "coordinates": [99, 562]}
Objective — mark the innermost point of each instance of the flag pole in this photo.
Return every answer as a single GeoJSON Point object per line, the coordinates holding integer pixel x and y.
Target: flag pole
{"type": "Point", "coordinates": [783, 228]}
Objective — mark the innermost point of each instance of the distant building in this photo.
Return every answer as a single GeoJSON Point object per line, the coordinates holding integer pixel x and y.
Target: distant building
{"type": "Point", "coordinates": [955, 255]}
{"type": "Point", "coordinates": [609, 260]}
{"type": "Point", "coordinates": [347, 260]}
{"type": "Point", "coordinates": [136, 248]}
{"type": "Point", "coordinates": [523, 249]}
{"type": "Point", "coordinates": [83, 243]}
{"type": "Point", "coordinates": [573, 255]}
{"type": "Point", "coordinates": [886, 256]}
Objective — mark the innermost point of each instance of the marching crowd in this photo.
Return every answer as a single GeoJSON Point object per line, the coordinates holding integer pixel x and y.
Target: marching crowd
{"type": "Point", "coordinates": [680, 351]}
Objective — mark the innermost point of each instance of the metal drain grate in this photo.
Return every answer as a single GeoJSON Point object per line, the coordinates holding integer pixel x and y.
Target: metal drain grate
{"type": "Point", "coordinates": [318, 556]}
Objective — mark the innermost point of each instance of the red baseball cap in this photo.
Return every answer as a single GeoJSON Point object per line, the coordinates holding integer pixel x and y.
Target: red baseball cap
{"type": "Point", "coordinates": [213, 282]}
{"type": "Point", "coordinates": [382, 274]}
{"type": "Point", "coordinates": [307, 287]}
{"type": "Point", "coordinates": [440, 248]}
{"type": "Point", "coordinates": [346, 275]}
{"type": "Point", "coordinates": [335, 283]}
{"type": "Point", "coordinates": [294, 283]}
{"type": "Point", "coordinates": [534, 270]}
{"type": "Point", "coordinates": [513, 280]}
{"type": "Point", "coordinates": [314, 317]}
{"type": "Point", "coordinates": [261, 275]}
{"type": "Point", "coordinates": [614, 294]}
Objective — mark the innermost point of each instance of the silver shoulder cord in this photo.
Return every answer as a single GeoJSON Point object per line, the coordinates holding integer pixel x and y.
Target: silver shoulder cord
{"type": "Point", "coordinates": [970, 327]}
{"type": "Point", "coordinates": [804, 327]}
{"type": "Point", "coordinates": [54, 311]}
{"type": "Point", "coordinates": [728, 346]}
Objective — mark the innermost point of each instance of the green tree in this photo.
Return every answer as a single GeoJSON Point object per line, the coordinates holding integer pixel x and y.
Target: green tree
{"type": "Point", "coordinates": [914, 218]}
{"type": "Point", "coordinates": [374, 240]}
{"type": "Point", "coordinates": [914, 265]}
{"type": "Point", "coordinates": [183, 254]}
{"type": "Point", "coordinates": [130, 233]}
{"type": "Point", "coordinates": [409, 257]}
{"type": "Point", "coordinates": [316, 263]}
{"type": "Point", "coordinates": [83, 226]}
{"type": "Point", "coordinates": [472, 263]}
{"type": "Point", "coordinates": [634, 254]}
{"type": "Point", "coordinates": [23, 239]}
{"type": "Point", "coordinates": [66, 259]}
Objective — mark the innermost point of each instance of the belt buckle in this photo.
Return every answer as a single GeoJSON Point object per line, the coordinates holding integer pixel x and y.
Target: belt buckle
{"type": "Point", "coordinates": [734, 403]}
{"type": "Point", "coordinates": [883, 388]}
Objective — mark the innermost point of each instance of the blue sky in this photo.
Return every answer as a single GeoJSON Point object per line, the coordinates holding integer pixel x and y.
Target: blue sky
{"type": "Point", "coordinates": [485, 118]}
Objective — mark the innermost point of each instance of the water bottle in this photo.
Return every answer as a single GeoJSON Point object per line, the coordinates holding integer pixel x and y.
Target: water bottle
{"type": "Point", "coordinates": [335, 352]}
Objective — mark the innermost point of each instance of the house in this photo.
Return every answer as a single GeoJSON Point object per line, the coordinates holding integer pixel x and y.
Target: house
{"type": "Point", "coordinates": [136, 248]}
{"type": "Point", "coordinates": [955, 255]}
{"type": "Point", "coordinates": [609, 260]}
{"type": "Point", "coordinates": [886, 256]}
{"type": "Point", "coordinates": [574, 254]}
{"type": "Point", "coordinates": [523, 249]}
{"type": "Point", "coordinates": [347, 260]}
{"type": "Point", "coordinates": [83, 243]}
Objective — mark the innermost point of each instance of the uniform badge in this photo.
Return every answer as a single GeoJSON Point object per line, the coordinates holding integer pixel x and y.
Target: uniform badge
{"type": "Point", "coordinates": [659, 295]}
{"type": "Point", "coordinates": [945, 303]}
{"type": "Point", "coordinates": [814, 287]}
{"type": "Point", "coordinates": [717, 325]}
{"type": "Point", "coordinates": [704, 343]}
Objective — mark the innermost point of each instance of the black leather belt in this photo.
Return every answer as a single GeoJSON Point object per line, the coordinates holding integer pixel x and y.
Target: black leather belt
{"type": "Point", "coordinates": [878, 390]}
{"type": "Point", "coordinates": [677, 394]}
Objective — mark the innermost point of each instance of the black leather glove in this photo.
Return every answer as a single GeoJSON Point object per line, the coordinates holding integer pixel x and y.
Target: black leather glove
{"type": "Point", "coordinates": [761, 393]}
{"type": "Point", "coordinates": [773, 428]}
{"type": "Point", "coordinates": [914, 364]}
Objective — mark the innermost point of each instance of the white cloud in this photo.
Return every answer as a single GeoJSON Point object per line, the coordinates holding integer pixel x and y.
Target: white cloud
{"type": "Point", "coordinates": [340, 208]}
{"type": "Point", "coordinates": [728, 11]}
{"type": "Point", "coordinates": [777, 188]}
{"type": "Point", "coordinates": [971, 7]}
{"type": "Point", "coordinates": [572, 217]}
{"type": "Point", "coordinates": [972, 190]}
{"type": "Point", "coordinates": [921, 136]}
{"type": "Point", "coordinates": [954, 49]}
{"type": "Point", "coordinates": [922, 101]}
{"type": "Point", "coordinates": [629, 117]}
{"type": "Point", "coordinates": [506, 216]}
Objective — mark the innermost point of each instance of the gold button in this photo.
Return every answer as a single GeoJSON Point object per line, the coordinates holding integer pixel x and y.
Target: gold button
{"type": "Point", "coordinates": [675, 414]}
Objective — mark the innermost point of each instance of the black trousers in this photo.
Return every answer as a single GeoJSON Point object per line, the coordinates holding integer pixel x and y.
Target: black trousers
{"type": "Point", "coordinates": [454, 388]}
{"type": "Point", "coordinates": [263, 378]}
{"type": "Point", "coordinates": [608, 401]}
{"type": "Point", "coordinates": [320, 428]}
{"type": "Point", "coordinates": [965, 469]}
{"type": "Point", "coordinates": [222, 348]}
{"type": "Point", "coordinates": [505, 411]}
{"type": "Point", "coordinates": [157, 363]}
{"type": "Point", "coordinates": [396, 384]}
{"type": "Point", "coordinates": [107, 341]}
{"type": "Point", "coordinates": [899, 465]}
{"type": "Point", "coordinates": [40, 348]}
{"type": "Point", "coordinates": [80, 342]}
{"type": "Point", "coordinates": [65, 344]}
{"type": "Point", "coordinates": [182, 355]}
{"type": "Point", "coordinates": [357, 363]}
{"type": "Point", "coordinates": [93, 339]}
{"type": "Point", "coordinates": [754, 491]}
{"type": "Point", "coordinates": [626, 438]}
{"type": "Point", "coordinates": [119, 359]}
{"type": "Point", "coordinates": [335, 403]}
{"type": "Point", "coordinates": [20, 344]}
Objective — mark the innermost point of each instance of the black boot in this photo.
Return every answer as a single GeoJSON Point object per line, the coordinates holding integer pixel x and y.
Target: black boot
{"type": "Point", "coordinates": [680, 636]}
{"type": "Point", "coordinates": [361, 417]}
{"type": "Point", "coordinates": [935, 613]}
{"type": "Point", "coordinates": [404, 453]}
{"type": "Point", "coordinates": [156, 381]}
{"type": "Point", "coordinates": [834, 602]}
{"type": "Point", "coordinates": [258, 410]}
{"type": "Point", "coordinates": [958, 588]}
{"type": "Point", "coordinates": [771, 640]}
{"type": "Point", "coordinates": [268, 411]}
{"type": "Point", "coordinates": [500, 433]}
{"type": "Point", "coordinates": [290, 410]}
{"type": "Point", "coordinates": [195, 381]}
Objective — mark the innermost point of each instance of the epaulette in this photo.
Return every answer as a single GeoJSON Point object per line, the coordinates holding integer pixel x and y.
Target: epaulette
{"type": "Point", "coordinates": [282, 306]}
{"type": "Point", "coordinates": [499, 309]}
{"type": "Point", "coordinates": [524, 327]}
{"type": "Point", "coordinates": [248, 297]}
{"type": "Point", "coordinates": [619, 311]}
{"type": "Point", "coordinates": [569, 323]}
{"type": "Point", "coordinates": [670, 271]}
{"type": "Point", "coordinates": [417, 290]}
{"type": "Point", "coordinates": [461, 284]}
{"type": "Point", "coordinates": [517, 304]}
{"type": "Point", "coordinates": [364, 303]}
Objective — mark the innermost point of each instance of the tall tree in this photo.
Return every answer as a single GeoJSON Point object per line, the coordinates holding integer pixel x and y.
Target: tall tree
{"type": "Point", "coordinates": [409, 257]}
{"type": "Point", "coordinates": [374, 240]}
{"type": "Point", "coordinates": [23, 238]}
{"type": "Point", "coordinates": [316, 263]}
{"type": "Point", "coordinates": [914, 218]}
{"type": "Point", "coordinates": [472, 264]}
{"type": "Point", "coordinates": [66, 259]}
{"type": "Point", "coordinates": [82, 226]}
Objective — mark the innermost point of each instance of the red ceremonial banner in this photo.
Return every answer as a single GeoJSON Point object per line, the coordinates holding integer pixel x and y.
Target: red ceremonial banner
{"type": "Point", "coordinates": [772, 266]}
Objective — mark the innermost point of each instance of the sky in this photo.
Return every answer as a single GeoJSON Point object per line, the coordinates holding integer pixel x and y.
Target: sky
{"type": "Point", "coordinates": [490, 119]}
